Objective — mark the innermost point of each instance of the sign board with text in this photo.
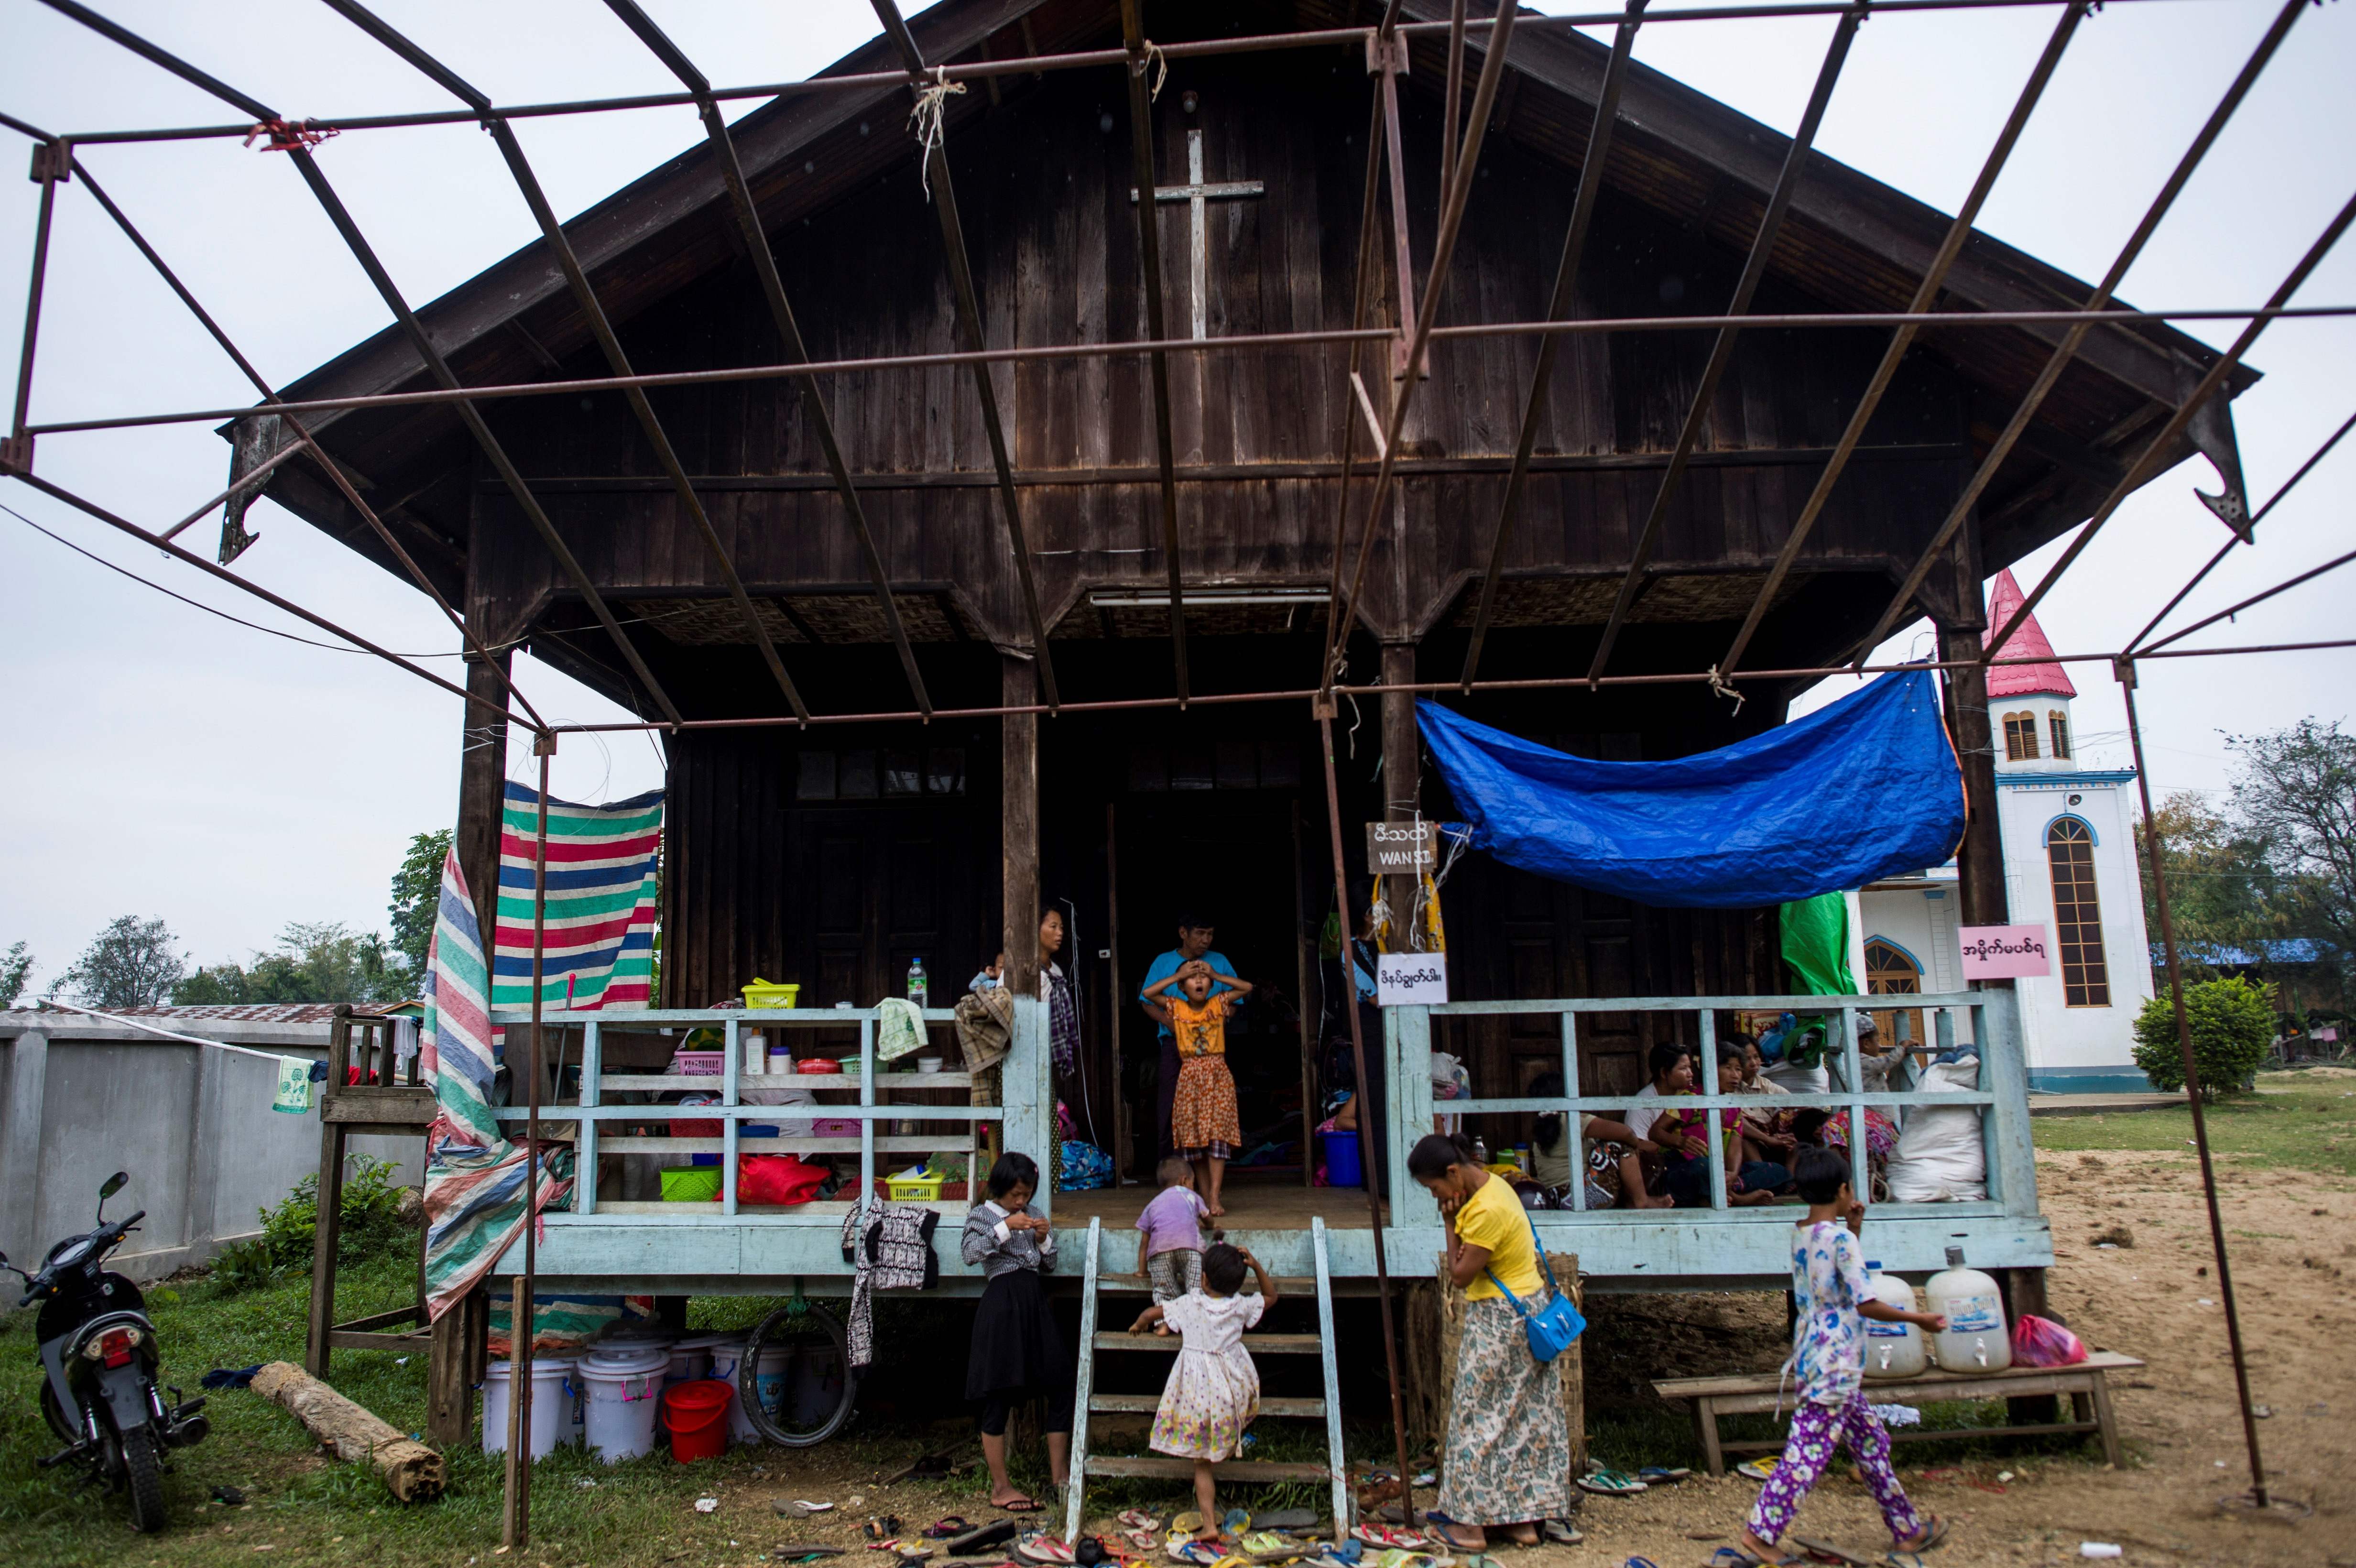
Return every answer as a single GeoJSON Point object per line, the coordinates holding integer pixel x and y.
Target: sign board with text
{"type": "Point", "coordinates": [2005, 952]}
{"type": "Point", "coordinates": [1410, 979]}
{"type": "Point", "coordinates": [1401, 849]}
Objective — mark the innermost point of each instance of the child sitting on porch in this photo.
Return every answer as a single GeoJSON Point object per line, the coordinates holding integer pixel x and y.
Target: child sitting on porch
{"type": "Point", "coordinates": [1175, 1223]}
{"type": "Point", "coordinates": [1615, 1170]}
{"type": "Point", "coordinates": [1827, 1364]}
{"type": "Point", "coordinates": [1213, 1391]}
{"type": "Point", "coordinates": [1203, 1120]}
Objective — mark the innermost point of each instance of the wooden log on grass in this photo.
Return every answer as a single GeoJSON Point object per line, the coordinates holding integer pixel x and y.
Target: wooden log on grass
{"type": "Point", "coordinates": [415, 1473]}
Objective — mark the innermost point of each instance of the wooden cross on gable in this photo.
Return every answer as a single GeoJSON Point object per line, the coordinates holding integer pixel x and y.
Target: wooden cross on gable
{"type": "Point", "coordinates": [1196, 194]}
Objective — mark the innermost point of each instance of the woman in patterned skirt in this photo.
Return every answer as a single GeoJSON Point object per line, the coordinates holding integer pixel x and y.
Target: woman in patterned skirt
{"type": "Point", "coordinates": [1507, 1462]}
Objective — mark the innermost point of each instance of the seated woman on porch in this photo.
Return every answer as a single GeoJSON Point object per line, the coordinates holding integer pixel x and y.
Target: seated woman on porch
{"type": "Point", "coordinates": [1506, 1459]}
{"type": "Point", "coordinates": [1018, 1353]}
{"type": "Point", "coordinates": [1615, 1170]}
{"type": "Point", "coordinates": [1683, 1137]}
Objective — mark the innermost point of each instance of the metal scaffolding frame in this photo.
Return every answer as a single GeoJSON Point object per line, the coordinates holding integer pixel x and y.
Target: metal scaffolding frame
{"type": "Point", "coordinates": [55, 164]}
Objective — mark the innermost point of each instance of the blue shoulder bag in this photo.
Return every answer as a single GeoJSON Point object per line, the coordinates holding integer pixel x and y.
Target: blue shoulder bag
{"type": "Point", "coordinates": [1552, 1328]}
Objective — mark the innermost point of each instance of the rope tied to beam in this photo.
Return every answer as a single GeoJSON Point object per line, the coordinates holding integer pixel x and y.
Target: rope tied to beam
{"type": "Point", "coordinates": [1721, 687]}
{"type": "Point", "coordinates": [1150, 54]}
{"type": "Point", "coordinates": [927, 120]}
{"type": "Point", "coordinates": [289, 135]}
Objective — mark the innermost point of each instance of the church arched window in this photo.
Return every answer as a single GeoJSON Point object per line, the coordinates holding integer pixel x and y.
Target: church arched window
{"type": "Point", "coordinates": [2057, 726]}
{"type": "Point", "coordinates": [2020, 737]}
{"type": "Point", "coordinates": [2077, 914]}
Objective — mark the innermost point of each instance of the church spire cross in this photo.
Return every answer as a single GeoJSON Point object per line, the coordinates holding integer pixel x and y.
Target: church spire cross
{"type": "Point", "coordinates": [1196, 195]}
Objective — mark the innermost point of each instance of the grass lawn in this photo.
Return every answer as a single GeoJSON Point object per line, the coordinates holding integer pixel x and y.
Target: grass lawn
{"type": "Point", "coordinates": [2302, 1120]}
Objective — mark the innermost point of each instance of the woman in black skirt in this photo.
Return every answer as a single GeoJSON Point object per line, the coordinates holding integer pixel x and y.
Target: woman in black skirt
{"type": "Point", "coordinates": [1017, 1354]}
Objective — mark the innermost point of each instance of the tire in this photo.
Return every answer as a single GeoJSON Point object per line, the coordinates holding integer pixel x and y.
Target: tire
{"type": "Point", "coordinates": [144, 1479]}
{"type": "Point", "coordinates": [55, 1416]}
{"type": "Point", "coordinates": [784, 1323]}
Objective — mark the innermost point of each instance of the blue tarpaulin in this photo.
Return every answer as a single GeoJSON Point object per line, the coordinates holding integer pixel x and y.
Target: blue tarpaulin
{"type": "Point", "coordinates": [1862, 789]}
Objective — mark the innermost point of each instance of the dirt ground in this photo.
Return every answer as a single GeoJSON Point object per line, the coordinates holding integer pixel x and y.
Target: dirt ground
{"type": "Point", "coordinates": [2294, 1250]}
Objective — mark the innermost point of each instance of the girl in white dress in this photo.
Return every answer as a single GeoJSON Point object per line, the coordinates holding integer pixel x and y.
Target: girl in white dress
{"type": "Point", "coordinates": [1213, 1391]}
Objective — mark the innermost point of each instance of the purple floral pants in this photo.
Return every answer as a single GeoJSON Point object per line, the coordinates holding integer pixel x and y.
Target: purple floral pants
{"type": "Point", "coordinates": [1815, 1429]}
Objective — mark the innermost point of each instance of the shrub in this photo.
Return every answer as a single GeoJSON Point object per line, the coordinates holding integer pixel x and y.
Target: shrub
{"type": "Point", "coordinates": [371, 1224]}
{"type": "Point", "coordinates": [2233, 1022]}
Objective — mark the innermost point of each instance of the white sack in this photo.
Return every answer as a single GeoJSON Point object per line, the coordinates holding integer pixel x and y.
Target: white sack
{"type": "Point", "coordinates": [1940, 1158]}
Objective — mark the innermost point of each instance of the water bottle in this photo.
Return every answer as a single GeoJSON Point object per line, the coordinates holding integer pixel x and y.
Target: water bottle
{"type": "Point", "coordinates": [918, 988]}
{"type": "Point", "coordinates": [1975, 1339]}
{"type": "Point", "coordinates": [1892, 1349]}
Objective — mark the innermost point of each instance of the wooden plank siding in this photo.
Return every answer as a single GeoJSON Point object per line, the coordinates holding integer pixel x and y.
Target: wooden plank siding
{"type": "Point", "coordinates": [1045, 190]}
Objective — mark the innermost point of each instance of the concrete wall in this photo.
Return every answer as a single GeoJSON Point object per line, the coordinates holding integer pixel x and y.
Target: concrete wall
{"type": "Point", "coordinates": [192, 1125]}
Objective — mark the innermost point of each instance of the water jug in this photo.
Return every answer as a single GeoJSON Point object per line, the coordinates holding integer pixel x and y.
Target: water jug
{"type": "Point", "coordinates": [1975, 1340]}
{"type": "Point", "coordinates": [1892, 1349]}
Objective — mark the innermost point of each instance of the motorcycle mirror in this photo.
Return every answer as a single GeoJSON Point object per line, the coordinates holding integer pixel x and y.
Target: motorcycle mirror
{"type": "Point", "coordinates": [114, 1185]}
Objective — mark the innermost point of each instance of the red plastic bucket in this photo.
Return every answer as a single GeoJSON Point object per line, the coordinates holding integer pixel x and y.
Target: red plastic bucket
{"type": "Point", "coordinates": [697, 1415]}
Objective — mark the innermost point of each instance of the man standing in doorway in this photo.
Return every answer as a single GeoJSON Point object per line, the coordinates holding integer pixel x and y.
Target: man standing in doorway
{"type": "Point", "coordinates": [1194, 949]}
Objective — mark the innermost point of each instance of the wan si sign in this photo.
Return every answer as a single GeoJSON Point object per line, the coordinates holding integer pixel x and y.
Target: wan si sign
{"type": "Point", "coordinates": [2005, 952]}
{"type": "Point", "coordinates": [1401, 849]}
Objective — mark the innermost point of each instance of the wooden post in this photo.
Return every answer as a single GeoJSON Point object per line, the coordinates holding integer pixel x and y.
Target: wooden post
{"type": "Point", "coordinates": [482, 781]}
{"type": "Point", "coordinates": [330, 1210]}
{"type": "Point", "coordinates": [1402, 777]}
{"type": "Point", "coordinates": [1018, 816]}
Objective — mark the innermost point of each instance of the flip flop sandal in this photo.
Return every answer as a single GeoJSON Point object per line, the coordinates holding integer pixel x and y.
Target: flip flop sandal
{"type": "Point", "coordinates": [1039, 1546]}
{"type": "Point", "coordinates": [1266, 1546]}
{"type": "Point", "coordinates": [1187, 1523]}
{"type": "Point", "coordinates": [1138, 1519]}
{"type": "Point", "coordinates": [942, 1528]}
{"type": "Point", "coordinates": [882, 1527]}
{"type": "Point", "coordinates": [1828, 1552]}
{"type": "Point", "coordinates": [1236, 1522]}
{"type": "Point", "coordinates": [1445, 1531]}
{"type": "Point", "coordinates": [1184, 1548]}
{"type": "Point", "coordinates": [911, 1550]}
{"type": "Point", "coordinates": [1937, 1537]}
{"type": "Point", "coordinates": [1640, 1562]}
{"type": "Point", "coordinates": [1759, 1470]}
{"type": "Point", "coordinates": [1735, 1557]}
{"type": "Point", "coordinates": [1388, 1539]}
{"type": "Point", "coordinates": [1562, 1532]}
{"type": "Point", "coordinates": [1028, 1504]}
{"type": "Point", "coordinates": [1611, 1484]}
{"type": "Point", "coordinates": [1663, 1475]}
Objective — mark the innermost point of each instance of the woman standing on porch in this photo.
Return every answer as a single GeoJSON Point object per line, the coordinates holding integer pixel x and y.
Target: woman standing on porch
{"type": "Point", "coordinates": [1507, 1462]}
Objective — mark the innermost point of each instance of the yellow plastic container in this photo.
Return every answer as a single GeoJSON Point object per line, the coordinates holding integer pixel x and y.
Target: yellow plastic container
{"type": "Point", "coordinates": [762, 994]}
{"type": "Point", "coordinates": [925, 1189]}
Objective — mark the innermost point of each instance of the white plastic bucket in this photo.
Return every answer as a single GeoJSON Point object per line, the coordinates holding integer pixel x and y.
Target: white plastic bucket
{"type": "Point", "coordinates": [689, 1361]}
{"type": "Point", "coordinates": [622, 1392]}
{"type": "Point", "coordinates": [568, 1431]}
{"type": "Point", "coordinates": [549, 1415]}
{"type": "Point", "coordinates": [727, 1352]}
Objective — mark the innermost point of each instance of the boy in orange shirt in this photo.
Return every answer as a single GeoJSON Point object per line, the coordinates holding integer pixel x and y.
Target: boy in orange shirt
{"type": "Point", "coordinates": [1202, 1123]}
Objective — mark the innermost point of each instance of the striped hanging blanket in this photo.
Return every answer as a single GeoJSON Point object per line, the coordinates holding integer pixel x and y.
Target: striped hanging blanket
{"type": "Point", "coordinates": [598, 946]}
{"type": "Point", "coordinates": [473, 1177]}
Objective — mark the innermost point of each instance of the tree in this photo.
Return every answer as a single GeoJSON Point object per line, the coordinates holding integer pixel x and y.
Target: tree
{"type": "Point", "coordinates": [2233, 1022]}
{"type": "Point", "coordinates": [129, 965]}
{"type": "Point", "coordinates": [2222, 890]}
{"type": "Point", "coordinates": [314, 962]}
{"type": "Point", "coordinates": [2296, 794]}
{"type": "Point", "coordinates": [16, 973]}
{"type": "Point", "coordinates": [416, 898]}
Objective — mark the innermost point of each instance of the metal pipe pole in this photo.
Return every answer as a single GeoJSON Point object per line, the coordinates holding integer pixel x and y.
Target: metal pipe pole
{"type": "Point", "coordinates": [53, 162]}
{"type": "Point", "coordinates": [523, 1319]}
{"type": "Point", "coordinates": [2257, 518]}
{"type": "Point", "coordinates": [2124, 669]}
{"type": "Point", "coordinates": [1322, 705]}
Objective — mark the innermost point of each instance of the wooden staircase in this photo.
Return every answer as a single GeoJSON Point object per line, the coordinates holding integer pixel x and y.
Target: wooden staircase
{"type": "Point", "coordinates": [1090, 1403]}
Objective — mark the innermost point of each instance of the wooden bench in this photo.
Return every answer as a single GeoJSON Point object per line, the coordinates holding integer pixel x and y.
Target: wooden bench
{"type": "Point", "coordinates": [2086, 1383]}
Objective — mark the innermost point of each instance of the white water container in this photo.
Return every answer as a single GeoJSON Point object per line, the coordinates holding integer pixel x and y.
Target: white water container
{"type": "Point", "coordinates": [623, 1386]}
{"type": "Point", "coordinates": [568, 1431]}
{"type": "Point", "coordinates": [727, 1353]}
{"type": "Point", "coordinates": [1892, 1349]}
{"type": "Point", "coordinates": [549, 1415]}
{"type": "Point", "coordinates": [1975, 1340]}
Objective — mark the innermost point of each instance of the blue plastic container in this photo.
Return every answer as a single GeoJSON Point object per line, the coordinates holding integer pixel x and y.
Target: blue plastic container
{"type": "Point", "coordinates": [1341, 1167]}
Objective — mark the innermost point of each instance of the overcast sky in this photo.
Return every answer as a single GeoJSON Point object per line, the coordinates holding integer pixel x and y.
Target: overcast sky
{"type": "Point", "coordinates": [165, 762]}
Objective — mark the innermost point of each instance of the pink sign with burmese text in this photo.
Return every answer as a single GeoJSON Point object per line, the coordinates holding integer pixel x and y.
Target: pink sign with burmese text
{"type": "Point", "coordinates": [2005, 952]}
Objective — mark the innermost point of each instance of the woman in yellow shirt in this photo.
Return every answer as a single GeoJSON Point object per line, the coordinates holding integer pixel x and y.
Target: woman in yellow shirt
{"type": "Point", "coordinates": [1507, 1462]}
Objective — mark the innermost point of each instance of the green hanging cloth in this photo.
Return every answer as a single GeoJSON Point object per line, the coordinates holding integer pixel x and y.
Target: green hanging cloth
{"type": "Point", "coordinates": [1816, 946]}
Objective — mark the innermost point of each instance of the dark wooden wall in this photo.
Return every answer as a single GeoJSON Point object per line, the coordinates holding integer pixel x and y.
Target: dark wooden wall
{"type": "Point", "coordinates": [1044, 192]}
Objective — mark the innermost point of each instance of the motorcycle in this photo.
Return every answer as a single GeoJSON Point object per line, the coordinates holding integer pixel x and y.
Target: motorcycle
{"type": "Point", "coordinates": [98, 1356]}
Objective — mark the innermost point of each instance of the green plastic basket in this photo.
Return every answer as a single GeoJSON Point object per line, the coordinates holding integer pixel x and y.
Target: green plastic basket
{"type": "Point", "coordinates": [691, 1184]}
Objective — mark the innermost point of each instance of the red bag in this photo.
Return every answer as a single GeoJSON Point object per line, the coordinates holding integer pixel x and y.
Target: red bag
{"type": "Point", "coordinates": [2041, 1342]}
{"type": "Point", "coordinates": [777, 1178]}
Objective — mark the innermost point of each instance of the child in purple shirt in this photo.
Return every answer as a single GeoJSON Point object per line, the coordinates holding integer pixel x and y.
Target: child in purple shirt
{"type": "Point", "coordinates": [1173, 1224]}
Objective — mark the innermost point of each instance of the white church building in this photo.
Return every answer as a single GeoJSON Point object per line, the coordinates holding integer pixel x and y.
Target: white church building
{"type": "Point", "coordinates": [2068, 833]}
